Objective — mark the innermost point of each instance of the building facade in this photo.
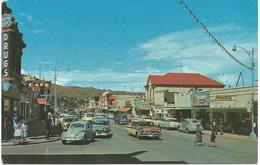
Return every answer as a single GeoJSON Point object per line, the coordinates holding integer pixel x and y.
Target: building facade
{"type": "Point", "coordinates": [12, 87]}
{"type": "Point", "coordinates": [165, 92]}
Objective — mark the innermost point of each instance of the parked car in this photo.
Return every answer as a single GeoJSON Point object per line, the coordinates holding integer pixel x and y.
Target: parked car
{"type": "Point", "coordinates": [121, 119]}
{"type": "Point", "coordinates": [189, 125]}
{"type": "Point", "coordinates": [78, 131]}
{"type": "Point", "coordinates": [101, 126]}
{"type": "Point", "coordinates": [110, 115]}
{"type": "Point", "coordinates": [141, 128]}
{"type": "Point", "coordinates": [88, 116]}
{"type": "Point", "coordinates": [101, 114]}
{"type": "Point", "coordinates": [169, 123]}
{"type": "Point", "coordinates": [157, 120]}
{"type": "Point", "coordinates": [67, 120]}
{"type": "Point", "coordinates": [242, 128]}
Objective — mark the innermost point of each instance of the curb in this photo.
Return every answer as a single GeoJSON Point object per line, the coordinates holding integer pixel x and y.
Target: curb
{"type": "Point", "coordinates": [234, 137]}
{"type": "Point", "coordinates": [31, 142]}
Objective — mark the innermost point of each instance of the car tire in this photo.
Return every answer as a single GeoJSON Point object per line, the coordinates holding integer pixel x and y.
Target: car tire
{"type": "Point", "coordinates": [63, 141]}
{"type": "Point", "coordinates": [84, 140]}
{"type": "Point", "coordinates": [137, 135]}
{"type": "Point", "coordinates": [93, 138]}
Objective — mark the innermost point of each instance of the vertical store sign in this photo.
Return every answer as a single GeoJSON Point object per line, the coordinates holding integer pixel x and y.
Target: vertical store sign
{"type": "Point", "coordinates": [5, 55]}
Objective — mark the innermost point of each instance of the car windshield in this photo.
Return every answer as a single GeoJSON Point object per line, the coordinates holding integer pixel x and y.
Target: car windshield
{"type": "Point", "coordinates": [101, 122]}
{"type": "Point", "coordinates": [147, 117]}
{"type": "Point", "coordinates": [146, 123]}
{"type": "Point", "coordinates": [77, 125]}
{"type": "Point", "coordinates": [174, 120]}
{"type": "Point", "coordinates": [89, 115]}
{"type": "Point", "coordinates": [70, 119]}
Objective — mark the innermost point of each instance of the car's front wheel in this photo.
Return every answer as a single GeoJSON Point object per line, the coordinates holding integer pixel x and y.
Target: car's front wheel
{"type": "Point", "coordinates": [137, 135]}
{"type": "Point", "coordinates": [84, 140]}
{"type": "Point", "coordinates": [63, 141]}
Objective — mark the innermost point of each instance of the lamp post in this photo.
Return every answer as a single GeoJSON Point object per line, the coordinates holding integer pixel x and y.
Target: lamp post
{"type": "Point", "coordinates": [252, 68]}
{"type": "Point", "coordinates": [55, 90]}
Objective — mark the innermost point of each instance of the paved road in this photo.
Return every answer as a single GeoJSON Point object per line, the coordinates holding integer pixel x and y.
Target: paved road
{"type": "Point", "coordinates": [173, 147]}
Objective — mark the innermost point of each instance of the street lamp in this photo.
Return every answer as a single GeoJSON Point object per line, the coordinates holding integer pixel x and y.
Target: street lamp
{"type": "Point", "coordinates": [252, 68]}
{"type": "Point", "coordinates": [55, 89]}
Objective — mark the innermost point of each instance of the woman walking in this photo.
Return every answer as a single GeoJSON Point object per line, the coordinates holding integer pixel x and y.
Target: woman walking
{"type": "Point", "coordinates": [198, 141]}
{"type": "Point", "coordinates": [212, 138]}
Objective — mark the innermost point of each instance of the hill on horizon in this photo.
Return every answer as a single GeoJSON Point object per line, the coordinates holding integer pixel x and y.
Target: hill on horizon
{"type": "Point", "coordinates": [85, 92]}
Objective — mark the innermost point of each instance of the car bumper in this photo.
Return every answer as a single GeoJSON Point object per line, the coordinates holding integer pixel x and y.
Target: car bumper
{"type": "Point", "coordinates": [102, 133]}
{"type": "Point", "coordinates": [173, 127]}
{"type": "Point", "coordinates": [147, 134]}
{"type": "Point", "coordinates": [71, 139]}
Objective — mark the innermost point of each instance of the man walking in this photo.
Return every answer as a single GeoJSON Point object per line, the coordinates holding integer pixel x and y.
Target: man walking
{"type": "Point", "coordinates": [48, 121]}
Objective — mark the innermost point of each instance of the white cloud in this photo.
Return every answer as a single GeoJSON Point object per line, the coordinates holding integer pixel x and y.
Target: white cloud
{"type": "Point", "coordinates": [28, 17]}
{"type": "Point", "coordinates": [102, 79]}
{"type": "Point", "coordinates": [38, 31]}
{"type": "Point", "coordinates": [148, 70]}
{"type": "Point", "coordinates": [194, 51]}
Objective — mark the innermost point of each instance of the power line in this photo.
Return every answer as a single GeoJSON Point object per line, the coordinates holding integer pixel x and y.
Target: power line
{"type": "Point", "coordinates": [181, 2]}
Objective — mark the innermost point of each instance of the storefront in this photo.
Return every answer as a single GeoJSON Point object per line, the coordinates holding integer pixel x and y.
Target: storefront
{"type": "Point", "coordinates": [12, 45]}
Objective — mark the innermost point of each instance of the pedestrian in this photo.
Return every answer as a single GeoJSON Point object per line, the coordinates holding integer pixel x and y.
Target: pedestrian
{"type": "Point", "coordinates": [212, 138]}
{"type": "Point", "coordinates": [198, 141]}
{"type": "Point", "coordinates": [221, 125]}
{"type": "Point", "coordinates": [24, 128]}
{"type": "Point", "coordinates": [48, 121]}
{"type": "Point", "coordinates": [17, 129]}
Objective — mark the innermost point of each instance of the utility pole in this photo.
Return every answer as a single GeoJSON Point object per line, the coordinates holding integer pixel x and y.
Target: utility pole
{"type": "Point", "coordinates": [252, 134]}
{"type": "Point", "coordinates": [252, 68]}
{"type": "Point", "coordinates": [55, 93]}
{"type": "Point", "coordinates": [40, 71]}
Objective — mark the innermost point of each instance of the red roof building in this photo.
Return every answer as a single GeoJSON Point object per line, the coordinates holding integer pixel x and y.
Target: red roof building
{"type": "Point", "coordinates": [158, 86]}
{"type": "Point", "coordinates": [183, 80]}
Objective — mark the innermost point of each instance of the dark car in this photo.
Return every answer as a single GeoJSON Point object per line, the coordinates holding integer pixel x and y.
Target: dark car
{"type": "Point", "coordinates": [121, 118]}
{"type": "Point", "coordinates": [243, 128]}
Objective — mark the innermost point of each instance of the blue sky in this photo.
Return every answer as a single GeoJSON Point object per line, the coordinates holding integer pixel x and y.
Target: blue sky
{"type": "Point", "coordinates": [116, 44]}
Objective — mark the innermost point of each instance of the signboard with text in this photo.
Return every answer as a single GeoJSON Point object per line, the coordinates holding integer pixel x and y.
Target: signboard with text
{"type": "Point", "coordinates": [200, 99]}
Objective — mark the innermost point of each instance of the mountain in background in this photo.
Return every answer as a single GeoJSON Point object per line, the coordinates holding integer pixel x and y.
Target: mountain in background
{"type": "Point", "coordinates": [85, 92]}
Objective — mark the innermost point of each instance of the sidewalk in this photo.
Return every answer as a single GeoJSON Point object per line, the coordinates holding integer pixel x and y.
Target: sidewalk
{"type": "Point", "coordinates": [33, 140]}
{"type": "Point", "coordinates": [232, 136]}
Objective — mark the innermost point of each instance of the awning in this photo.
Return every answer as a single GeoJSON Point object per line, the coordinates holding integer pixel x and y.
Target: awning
{"type": "Point", "coordinates": [124, 109]}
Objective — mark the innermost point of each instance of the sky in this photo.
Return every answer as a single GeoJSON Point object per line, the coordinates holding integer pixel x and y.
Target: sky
{"type": "Point", "coordinates": [116, 44]}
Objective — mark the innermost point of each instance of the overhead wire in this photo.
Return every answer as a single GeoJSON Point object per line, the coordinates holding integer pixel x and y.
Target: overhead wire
{"type": "Point", "coordinates": [181, 2]}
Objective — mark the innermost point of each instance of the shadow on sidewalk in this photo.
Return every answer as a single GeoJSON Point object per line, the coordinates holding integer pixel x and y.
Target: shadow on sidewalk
{"type": "Point", "coordinates": [80, 158]}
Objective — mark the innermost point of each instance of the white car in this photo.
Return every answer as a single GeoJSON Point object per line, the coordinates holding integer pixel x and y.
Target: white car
{"type": "Point", "coordinates": [169, 123]}
{"type": "Point", "coordinates": [88, 116]}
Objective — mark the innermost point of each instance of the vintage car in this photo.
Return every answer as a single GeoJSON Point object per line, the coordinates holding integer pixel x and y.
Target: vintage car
{"type": "Point", "coordinates": [101, 126]}
{"type": "Point", "coordinates": [88, 116]}
{"type": "Point", "coordinates": [157, 120]}
{"type": "Point", "coordinates": [121, 118]}
{"type": "Point", "coordinates": [78, 131]}
{"type": "Point", "coordinates": [66, 121]}
{"type": "Point", "coordinates": [189, 125]}
{"type": "Point", "coordinates": [169, 123]}
{"type": "Point", "coordinates": [110, 115]}
{"type": "Point", "coordinates": [142, 128]}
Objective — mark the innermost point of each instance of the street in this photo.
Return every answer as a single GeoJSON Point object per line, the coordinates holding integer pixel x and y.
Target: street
{"type": "Point", "coordinates": [173, 147]}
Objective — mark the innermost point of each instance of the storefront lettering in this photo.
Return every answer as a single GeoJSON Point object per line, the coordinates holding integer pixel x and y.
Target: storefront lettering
{"type": "Point", "coordinates": [6, 55]}
{"type": "Point", "coordinates": [36, 84]}
{"type": "Point", "coordinates": [223, 98]}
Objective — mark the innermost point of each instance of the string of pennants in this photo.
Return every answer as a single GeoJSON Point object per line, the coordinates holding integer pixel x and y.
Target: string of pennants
{"type": "Point", "coordinates": [181, 2]}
